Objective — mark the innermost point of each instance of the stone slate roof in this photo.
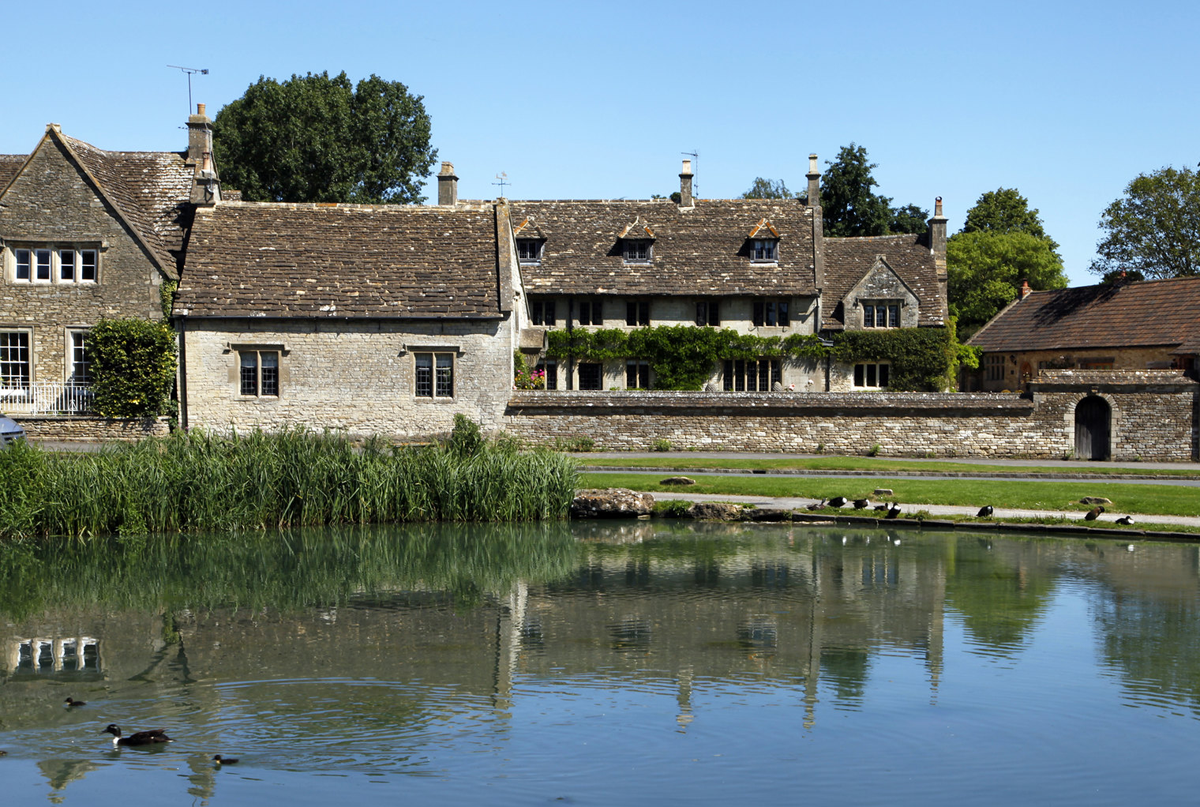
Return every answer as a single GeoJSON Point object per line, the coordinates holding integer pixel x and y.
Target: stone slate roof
{"type": "Point", "coordinates": [847, 260]}
{"type": "Point", "coordinates": [10, 164]}
{"type": "Point", "coordinates": [1155, 313]}
{"type": "Point", "coordinates": [255, 259]}
{"type": "Point", "coordinates": [703, 250]}
{"type": "Point", "coordinates": [150, 189]}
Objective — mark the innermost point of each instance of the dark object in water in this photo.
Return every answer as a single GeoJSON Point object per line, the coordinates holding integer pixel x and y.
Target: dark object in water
{"type": "Point", "coordinates": [147, 737]}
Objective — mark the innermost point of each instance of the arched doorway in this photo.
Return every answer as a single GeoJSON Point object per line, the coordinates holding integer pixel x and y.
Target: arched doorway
{"type": "Point", "coordinates": [1093, 423]}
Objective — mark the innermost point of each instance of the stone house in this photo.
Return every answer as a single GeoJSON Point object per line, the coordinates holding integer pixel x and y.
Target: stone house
{"type": "Point", "coordinates": [86, 234]}
{"type": "Point", "coordinates": [379, 319]}
{"type": "Point", "coordinates": [1153, 325]}
{"type": "Point", "coordinates": [756, 266]}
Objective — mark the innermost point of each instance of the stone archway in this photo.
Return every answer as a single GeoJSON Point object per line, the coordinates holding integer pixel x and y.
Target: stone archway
{"type": "Point", "coordinates": [1093, 428]}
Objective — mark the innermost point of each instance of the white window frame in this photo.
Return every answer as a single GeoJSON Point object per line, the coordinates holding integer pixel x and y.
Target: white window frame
{"type": "Point", "coordinates": [888, 308]}
{"type": "Point", "coordinates": [78, 357]}
{"type": "Point", "coordinates": [44, 265]}
{"type": "Point", "coordinates": [24, 380]}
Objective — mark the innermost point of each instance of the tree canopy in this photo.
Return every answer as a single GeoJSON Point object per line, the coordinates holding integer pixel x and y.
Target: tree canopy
{"type": "Point", "coordinates": [1154, 229]}
{"type": "Point", "coordinates": [1005, 210]}
{"type": "Point", "coordinates": [770, 189]}
{"type": "Point", "coordinates": [314, 138]}
{"type": "Point", "coordinates": [850, 208]}
{"type": "Point", "coordinates": [986, 268]}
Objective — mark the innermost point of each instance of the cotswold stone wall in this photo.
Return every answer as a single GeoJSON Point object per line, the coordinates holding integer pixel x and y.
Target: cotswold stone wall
{"type": "Point", "coordinates": [1150, 421]}
{"type": "Point", "coordinates": [68, 428]}
{"type": "Point", "coordinates": [338, 374]}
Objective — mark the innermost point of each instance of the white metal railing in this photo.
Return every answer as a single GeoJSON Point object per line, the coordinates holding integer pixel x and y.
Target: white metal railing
{"type": "Point", "coordinates": [46, 399]}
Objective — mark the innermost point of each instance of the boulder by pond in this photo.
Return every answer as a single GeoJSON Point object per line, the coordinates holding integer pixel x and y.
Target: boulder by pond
{"type": "Point", "coordinates": [677, 480]}
{"type": "Point", "coordinates": [1095, 500]}
{"type": "Point", "coordinates": [611, 503]}
{"type": "Point", "coordinates": [715, 511]}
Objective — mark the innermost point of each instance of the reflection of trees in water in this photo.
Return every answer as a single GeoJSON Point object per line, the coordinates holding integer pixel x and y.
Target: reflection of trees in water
{"type": "Point", "coordinates": [283, 570]}
{"type": "Point", "coordinates": [846, 668]}
{"type": "Point", "coordinates": [1154, 644]}
{"type": "Point", "coordinates": [1001, 588]}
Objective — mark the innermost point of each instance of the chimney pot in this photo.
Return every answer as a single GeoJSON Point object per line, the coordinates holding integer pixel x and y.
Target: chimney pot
{"type": "Point", "coordinates": [937, 207]}
{"type": "Point", "coordinates": [685, 185]}
{"type": "Point", "coordinates": [200, 109]}
{"type": "Point", "coordinates": [687, 167]}
{"type": "Point", "coordinates": [1025, 290]}
{"type": "Point", "coordinates": [814, 182]}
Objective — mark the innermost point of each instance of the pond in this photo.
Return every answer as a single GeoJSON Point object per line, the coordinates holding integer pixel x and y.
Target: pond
{"type": "Point", "coordinates": [633, 662]}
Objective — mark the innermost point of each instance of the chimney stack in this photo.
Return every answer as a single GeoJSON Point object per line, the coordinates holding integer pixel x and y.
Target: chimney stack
{"type": "Point", "coordinates": [447, 185]}
{"type": "Point", "coordinates": [206, 189]}
{"type": "Point", "coordinates": [814, 182]}
{"type": "Point", "coordinates": [1025, 290]}
{"type": "Point", "coordinates": [685, 185]}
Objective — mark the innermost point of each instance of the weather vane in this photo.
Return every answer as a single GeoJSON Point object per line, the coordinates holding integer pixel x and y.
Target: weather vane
{"type": "Point", "coordinates": [189, 70]}
{"type": "Point", "coordinates": [503, 177]}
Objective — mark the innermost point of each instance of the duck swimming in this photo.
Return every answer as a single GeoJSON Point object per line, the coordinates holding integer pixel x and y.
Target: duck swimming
{"type": "Point", "coordinates": [148, 737]}
{"type": "Point", "coordinates": [220, 760]}
{"type": "Point", "coordinates": [72, 702]}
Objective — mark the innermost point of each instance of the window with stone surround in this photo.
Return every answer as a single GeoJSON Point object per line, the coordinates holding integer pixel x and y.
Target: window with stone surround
{"type": "Point", "coordinates": [871, 375]}
{"type": "Point", "coordinates": [708, 312]}
{"type": "Point", "coordinates": [541, 312]}
{"type": "Point", "coordinates": [771, 313]}
{"type": "Point", "coordinates": [549, 367]}
{"type": "Point", "coordinates": [258, 373]}
{"type": "Point", "coordinates": [434, 375]}
{"type": "Point", "coordinates": [591, 312]}
{"type": "Point", "coordinates": [993, 364]}
{"type": "Point", "coordinates": [751, 375]}
{"type": "Point", "coordinates": [81, 362]}
{"type": "Point", "coordinates": [637, 374]}
{"type": "Point", "coordinates": [764, 250]}
{"type": "Point", "coordinates": [881, 314]}
{"type": "Point", "coordinates": [14, 360]}
{"type": "Point", "coordinates": [55, 265]}
{"type": "Point", "coordinates": [637, 312]}
{"type": "Point", "coordinates": [591, 376]}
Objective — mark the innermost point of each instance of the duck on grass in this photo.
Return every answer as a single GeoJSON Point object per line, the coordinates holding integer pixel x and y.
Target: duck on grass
{"type": "Point", "coordinates": [198, 481]}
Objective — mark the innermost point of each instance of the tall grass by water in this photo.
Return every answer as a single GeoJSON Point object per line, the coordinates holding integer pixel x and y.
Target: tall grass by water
{"type": "Point", "coordinates": [197, 481]}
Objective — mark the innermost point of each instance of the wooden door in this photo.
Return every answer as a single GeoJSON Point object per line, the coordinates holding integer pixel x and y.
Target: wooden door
{"type": "Point", "coordinates": [1092, 422]}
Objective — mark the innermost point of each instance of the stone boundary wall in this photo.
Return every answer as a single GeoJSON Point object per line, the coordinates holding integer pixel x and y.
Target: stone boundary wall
{"type": "Point", "coordinates": [1151, 420]}
{"type": "Point", "coordinates": [80, 428]}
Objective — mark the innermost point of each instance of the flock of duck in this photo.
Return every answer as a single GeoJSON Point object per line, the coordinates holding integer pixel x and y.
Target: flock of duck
{"type": "Point", "coordinates": [893, 510]}
{"type": "Point", "coordinates": [138, 738]}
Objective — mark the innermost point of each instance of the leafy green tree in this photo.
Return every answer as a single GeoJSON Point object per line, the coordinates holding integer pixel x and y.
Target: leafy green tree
{"type": "Point", "coordinates": [1005, 210]}
{"type": "Point", "coordinates": [986, 268]}
{"type": "Point", "coordinates": [133, 366]}
{"type": "Point", "coordinates": [849, 206]}
{"type": "Point", "coordinates": [314, 138]}
{"type": "Point", "coordinates": [770, 189]}
{"type": "Point", "coordinates": [1154, 228]}
{"type": "Point", "coordinates": [1119, 276]}
{"type": "Point", "coordinates": [909, 219]}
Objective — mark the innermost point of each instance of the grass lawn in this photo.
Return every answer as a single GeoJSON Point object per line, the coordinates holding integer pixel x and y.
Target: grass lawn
{"type": "Point", "coordinates": [1016, 494]}
{"type": "Point", "coordinates": [870, 464]}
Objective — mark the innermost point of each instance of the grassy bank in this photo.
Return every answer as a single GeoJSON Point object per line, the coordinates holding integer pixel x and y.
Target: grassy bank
{"type": "Point", "coordinates": [1017, 494]}
{"type": "Point", "coordinates": [297, 478]}
{"type": "Point", "coordinates": [875, 465]}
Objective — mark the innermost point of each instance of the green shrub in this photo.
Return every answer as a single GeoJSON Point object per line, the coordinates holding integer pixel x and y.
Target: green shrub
{"type": "Point", "coordinates": [662, 444]}
{"type": "Point", "coordinates": [133, 367]}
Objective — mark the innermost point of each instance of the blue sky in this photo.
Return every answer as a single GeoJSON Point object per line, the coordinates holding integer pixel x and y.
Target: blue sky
{"type": "Point", "coordinates": [1066, 102]}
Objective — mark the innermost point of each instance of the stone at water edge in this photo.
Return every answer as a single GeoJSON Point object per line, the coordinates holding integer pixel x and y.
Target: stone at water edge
{"type": "Point", "coordinates": [677, 480]}
{"type": "Point", "coordinates": [714, 511]}
{"type": "Point", "coordinates": [611, 503]}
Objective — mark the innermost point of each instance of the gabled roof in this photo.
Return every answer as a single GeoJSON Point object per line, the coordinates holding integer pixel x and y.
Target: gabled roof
{"type": "Point", "coordinates": [256, 259]}
{"type": "Point", "coordinates": [848, 260]}
{"type": "Point", "coordinates": [1155, 313]}
{"type": "Point", "coordinates": [528, 229]}
{"type": "Point", "coordinates": [701, 250]}
{"type": "Point", "coordinates": [149, 190]}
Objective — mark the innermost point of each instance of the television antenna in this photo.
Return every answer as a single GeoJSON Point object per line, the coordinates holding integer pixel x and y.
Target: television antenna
{"type": "Point", "coordinates": [190, 70]}
{"type": "Point", "coordinates": [503, 180]}
{"type": "Point", "coordinates": [695, 155]}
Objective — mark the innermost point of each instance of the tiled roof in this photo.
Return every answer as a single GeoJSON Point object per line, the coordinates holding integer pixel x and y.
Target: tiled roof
{"type": "Point", "coordinates": [1154, 313]}
{"type": "Point", "coordinates": [9, 165]}
{"type": "Point", "coordinates": [248, 259]}
{"type": "Point", "coordinates": [702, 250]}
{"type": "Point", "coordinates": [151, 189]}
{"type": "Point", "coordinates": [847, 260]}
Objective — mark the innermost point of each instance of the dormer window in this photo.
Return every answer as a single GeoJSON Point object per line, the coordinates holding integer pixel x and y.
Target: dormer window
{"type": "Point", "coordinates": [636, 251]}
{"type": "Point", "coordinates": [529, 250]}
{"type": "Point", "coordinates": [765, 250]}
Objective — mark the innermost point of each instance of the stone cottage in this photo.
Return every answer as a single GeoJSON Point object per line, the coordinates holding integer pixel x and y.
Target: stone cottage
{"type": "Point", "coordinates": [756, 266]}
{"type": "Point", "coordinates": [86, 234]}
{"type": "Point", "coordinates": [379, 319]}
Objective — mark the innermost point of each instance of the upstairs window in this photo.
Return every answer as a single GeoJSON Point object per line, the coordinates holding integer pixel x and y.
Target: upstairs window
{"type": "Point", "coordinates": [591, 312]}
{"type": "Point", "coordinates": [881, 315]}
{"type": "Point", "coordinates": [764, 250]}
{"type": "Point", "coordinates": [708, 312]}
{"type": "Point", "coordinates": [55, 265]}
{"type": "Point", "coordinates": [529, 250]}
{"type": "Point", "coordinates": [771, 313]}
{"type": "Point", "coordinates": [541, 312]}
{"type": "Point", "coordinates": [636, 251]}
{"type": "Point", "coordinates": [871, 375]}
{"type": "Point", "coordinates": [637, 312]}
{"type": "Point", "coordinates": [637, 374]}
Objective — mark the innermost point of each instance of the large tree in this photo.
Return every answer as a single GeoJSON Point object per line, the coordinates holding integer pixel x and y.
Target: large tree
{"type": "Point", "coordinates": [314, 138]}
{"type": "Point", "coordinates": [1154, 229]}
{"type": "Point", "coordinates": [770, 189]}
{"type": "Point", "coordinates": [1004, 210]}
{"type": "Point", "coordinates": [850, 208]}
{"type": "Point", "coordinates": [986, 268]}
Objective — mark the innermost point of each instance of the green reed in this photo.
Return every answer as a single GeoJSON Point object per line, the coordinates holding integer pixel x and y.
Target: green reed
{"type": "Point", "coordinates": [204, 482]}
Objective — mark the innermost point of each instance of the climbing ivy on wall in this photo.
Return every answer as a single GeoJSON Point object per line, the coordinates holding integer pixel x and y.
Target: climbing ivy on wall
{"type": "Point", "coordinates": [683, 356]}
{"type": "Point", "coordinates": [133, 366]}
